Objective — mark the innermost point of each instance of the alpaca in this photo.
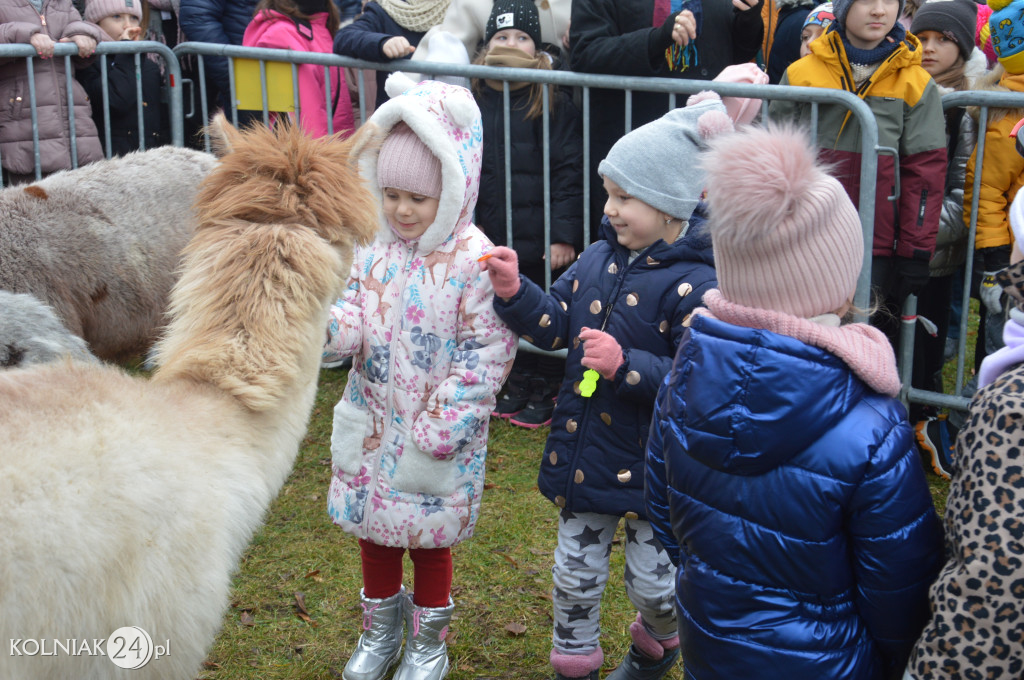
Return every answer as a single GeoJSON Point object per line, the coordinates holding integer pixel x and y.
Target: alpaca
{"type": "Point", "coordinates": [31, 333]}
{"type": "Point", "coordinates": [101, 243]}
{"type": "Point", "coordinates": [127, 501]}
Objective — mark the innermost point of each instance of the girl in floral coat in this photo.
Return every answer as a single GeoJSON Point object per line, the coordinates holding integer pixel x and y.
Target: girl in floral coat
{"type": "Point", "coordinates": [430, 354]}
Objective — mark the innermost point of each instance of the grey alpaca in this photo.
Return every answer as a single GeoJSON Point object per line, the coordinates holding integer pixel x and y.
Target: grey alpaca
{"type": "Point", "coordinates": [31, 333]}
{"type": "Point", "coordinates": [101, 244]}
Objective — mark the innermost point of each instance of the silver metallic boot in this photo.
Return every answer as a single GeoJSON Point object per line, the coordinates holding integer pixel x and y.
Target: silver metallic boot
{"type": "Point", "coordinates": [380, 644]}
{"type": "Point", "coordinates": [426, 654]}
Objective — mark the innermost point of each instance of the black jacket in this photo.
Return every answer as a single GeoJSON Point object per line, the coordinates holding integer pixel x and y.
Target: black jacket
{"type": "Point", "coordinates": [364, 39]}
{"type": "Point", "coordinates": [617, 37]}
{"type": "Point", "coordinates": [121, 90]}
{"type": "Point", "coordinates": [527, 159]}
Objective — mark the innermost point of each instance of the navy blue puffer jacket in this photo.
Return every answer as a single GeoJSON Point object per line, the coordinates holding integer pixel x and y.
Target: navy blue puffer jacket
{"type": "Point", "coordinates": [594, 457]}
{"type": "Point", "coordinates": [793, 502]}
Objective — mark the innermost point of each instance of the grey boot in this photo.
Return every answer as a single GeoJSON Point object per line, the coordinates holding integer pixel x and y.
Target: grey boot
{"type": "Point", "coordinates": [426, 654]}
{"type": "Point", "coordinates": [639, 666]}
{"type": "Point", "coordinates": [381, 642]}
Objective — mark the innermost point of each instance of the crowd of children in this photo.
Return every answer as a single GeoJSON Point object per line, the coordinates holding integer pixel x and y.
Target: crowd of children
{"type": "Point", "coordinates": [714, 395]}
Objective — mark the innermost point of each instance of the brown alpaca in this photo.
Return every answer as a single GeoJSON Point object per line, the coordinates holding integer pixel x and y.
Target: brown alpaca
{"type": "Point", "coordinates": [128, 502]}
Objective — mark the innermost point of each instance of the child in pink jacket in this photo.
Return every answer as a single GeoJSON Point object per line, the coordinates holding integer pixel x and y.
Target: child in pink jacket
{"type": "Point", "coordinates": [309, 28]}
{"type": "Point", "coordinates": [429, 352]}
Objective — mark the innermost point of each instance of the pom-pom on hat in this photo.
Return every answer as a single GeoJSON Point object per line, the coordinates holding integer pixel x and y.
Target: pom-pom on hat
{"type": "Point", "coordinates": [95, 10]}
{"type": "Point", "coordinates": [518, 14]}
{"type": "Point", "coordinates": [1007, 33]}
{"type": "Point", "coordinates": [406, 163]}
{"type": "Point", "coordinates": [655, 162]}
{"type": "Point", "coordinates": [785, 235]}
{"type": "Point", "coordinates": [822, 15]}
{"type": "Point", "coordinates": [955, 19]}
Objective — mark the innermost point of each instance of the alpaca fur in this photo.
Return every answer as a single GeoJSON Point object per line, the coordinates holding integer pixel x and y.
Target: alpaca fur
{"type": "Point", "coordinates": [127, 501]}
{"type": "Point", "coordinates": [31, 333]}
{"type": "Point", "coordinates": [100, 244]}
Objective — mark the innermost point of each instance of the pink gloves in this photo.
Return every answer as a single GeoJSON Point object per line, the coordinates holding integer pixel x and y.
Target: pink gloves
{"type": "Point", "coordinates": [601, 352]}
{"type": "Point", "coordinates": [503, 266]}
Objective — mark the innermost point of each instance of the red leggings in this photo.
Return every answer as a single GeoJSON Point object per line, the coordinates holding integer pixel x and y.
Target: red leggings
{"type": "Point", "coordinates": [432, 573]}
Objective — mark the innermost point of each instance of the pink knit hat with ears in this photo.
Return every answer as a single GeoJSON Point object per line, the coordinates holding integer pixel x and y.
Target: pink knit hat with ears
{"type": "Point", "coordinates": [407, 164]}
{"type": "Point", "coordinates": [740, 109]}
{"type": "Point", "coordinates": [96, 10]}
{"type": "Point", "coordinates": [784, 233]}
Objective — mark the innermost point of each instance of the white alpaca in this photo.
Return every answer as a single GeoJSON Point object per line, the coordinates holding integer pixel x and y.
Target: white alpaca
{"type": "Point", "coordinates": [128, 502]}
{"type": "Point", "coordinates": [31, 333]}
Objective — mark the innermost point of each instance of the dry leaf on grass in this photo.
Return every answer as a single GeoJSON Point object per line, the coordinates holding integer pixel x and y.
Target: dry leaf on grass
{"type": "Point", "coordinates": [515, 628]}
{"type": "Point", "coordinates": [246, 618]}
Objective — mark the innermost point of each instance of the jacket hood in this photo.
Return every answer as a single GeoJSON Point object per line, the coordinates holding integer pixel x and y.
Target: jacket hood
{"type": "Point", "coordinates": [772, 396]}
{"type": "Point", "coordinates": [695, 245]}
{"type": "Point", "coordinates": [447, 120]}
{"type": "Point", "coordinates": [998, 80]}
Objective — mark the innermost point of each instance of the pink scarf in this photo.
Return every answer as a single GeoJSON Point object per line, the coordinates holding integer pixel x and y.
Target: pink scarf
{"type": "Point", "coordinates": [863, 348]}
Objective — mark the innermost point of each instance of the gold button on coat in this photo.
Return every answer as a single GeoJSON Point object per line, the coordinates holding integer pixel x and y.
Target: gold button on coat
{"type": "Point", "coordinates": [624, 476]}
{"type": "Point", "coordinates": [578, 477]}
{"type": "Point", "coordinates": [632, 378]}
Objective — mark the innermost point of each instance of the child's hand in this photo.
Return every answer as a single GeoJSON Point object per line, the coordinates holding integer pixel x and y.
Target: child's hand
{"type": "Point", "coordinates": [601, 352]}
{"type": "Point", "coordinates": [43, 45]}
{"type": "Point", "coordinates": [397, 47]}
{"type": "Point", "coordinates": [685, 28]}
{"type": "Point", "coordinates": [131, 33]}
{"type": "Point", "coordinates": [86, 45]}
{"type": "Point", "coordinates": [744, 5]}
{"type": "Point", "coordinates": [561, 255]}
{"type": "Point", "coordinates": [502, 264]}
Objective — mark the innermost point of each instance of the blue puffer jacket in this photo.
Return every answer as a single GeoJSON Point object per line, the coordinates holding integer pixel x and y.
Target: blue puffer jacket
{"type": "Point", "coordinates": [793, 502]}
{"type": "Point", "coordinates": [594, 457]}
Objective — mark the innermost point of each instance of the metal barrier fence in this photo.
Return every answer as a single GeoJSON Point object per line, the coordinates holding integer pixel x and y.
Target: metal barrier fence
{"type": "Point", "coordinates": [66, 51]}
{"type": "Point", "coordinates": [583, 84]}
{"type": "Point", "coordinates": [984, 101]}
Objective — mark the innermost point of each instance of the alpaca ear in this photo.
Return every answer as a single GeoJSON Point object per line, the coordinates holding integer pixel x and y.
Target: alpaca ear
{"type": "Point", "coordinates": [368, 136]}
{"type": "Point", "coordinates": [222, 135]}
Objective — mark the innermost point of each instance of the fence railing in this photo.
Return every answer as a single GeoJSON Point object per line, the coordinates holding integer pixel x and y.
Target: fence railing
{"type": "Point", "coordinates": [582, 84]}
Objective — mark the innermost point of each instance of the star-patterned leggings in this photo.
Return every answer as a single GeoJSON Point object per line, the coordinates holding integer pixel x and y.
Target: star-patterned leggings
{"type": "Point", "coordinates": [581, 572]}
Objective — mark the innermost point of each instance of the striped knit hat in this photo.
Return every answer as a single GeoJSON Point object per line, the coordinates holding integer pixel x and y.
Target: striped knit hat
{"type": "Point", "coordinates": [785, 235]}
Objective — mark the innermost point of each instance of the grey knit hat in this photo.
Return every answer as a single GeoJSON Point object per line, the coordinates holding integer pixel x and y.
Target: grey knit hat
{"type": "Point", "coordinates": [955, 19]}
{"type": "Point", "coordinates": [657, 162]}
{"type": "Point", "coordinates": [518, 14]}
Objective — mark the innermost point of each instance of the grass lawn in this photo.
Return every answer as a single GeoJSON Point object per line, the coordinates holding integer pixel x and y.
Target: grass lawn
{"type": "Point", "coordinates": [295, 610]}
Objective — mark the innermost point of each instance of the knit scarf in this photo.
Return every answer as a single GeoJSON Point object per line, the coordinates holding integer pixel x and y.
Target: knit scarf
{"type": "Point", "coordinates": [863, 348]}
{"type": "Point", "coordinates": [877, 54]}
{"type": "Point", "coordinates": [510, 57]}
{"type": "Point", "coordinates": [417, 15]}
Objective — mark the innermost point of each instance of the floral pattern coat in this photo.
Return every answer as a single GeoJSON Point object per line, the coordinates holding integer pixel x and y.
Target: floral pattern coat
{"type": "Point", "coordinates": [430, 354]}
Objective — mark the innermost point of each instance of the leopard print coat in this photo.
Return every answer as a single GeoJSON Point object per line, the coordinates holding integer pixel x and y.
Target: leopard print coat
{"type": "Point", "coordinates": [977, 624]}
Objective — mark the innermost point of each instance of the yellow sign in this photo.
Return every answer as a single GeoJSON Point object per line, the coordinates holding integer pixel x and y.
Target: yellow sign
{"type": "Point", "coordinates": [280, 85]}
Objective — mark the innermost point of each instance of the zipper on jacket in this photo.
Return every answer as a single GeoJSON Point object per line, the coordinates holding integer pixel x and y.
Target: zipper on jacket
{"type": "Point", "coordinates": [42, 19]}
{"type": "Point", "coordinates": [388, 393]}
